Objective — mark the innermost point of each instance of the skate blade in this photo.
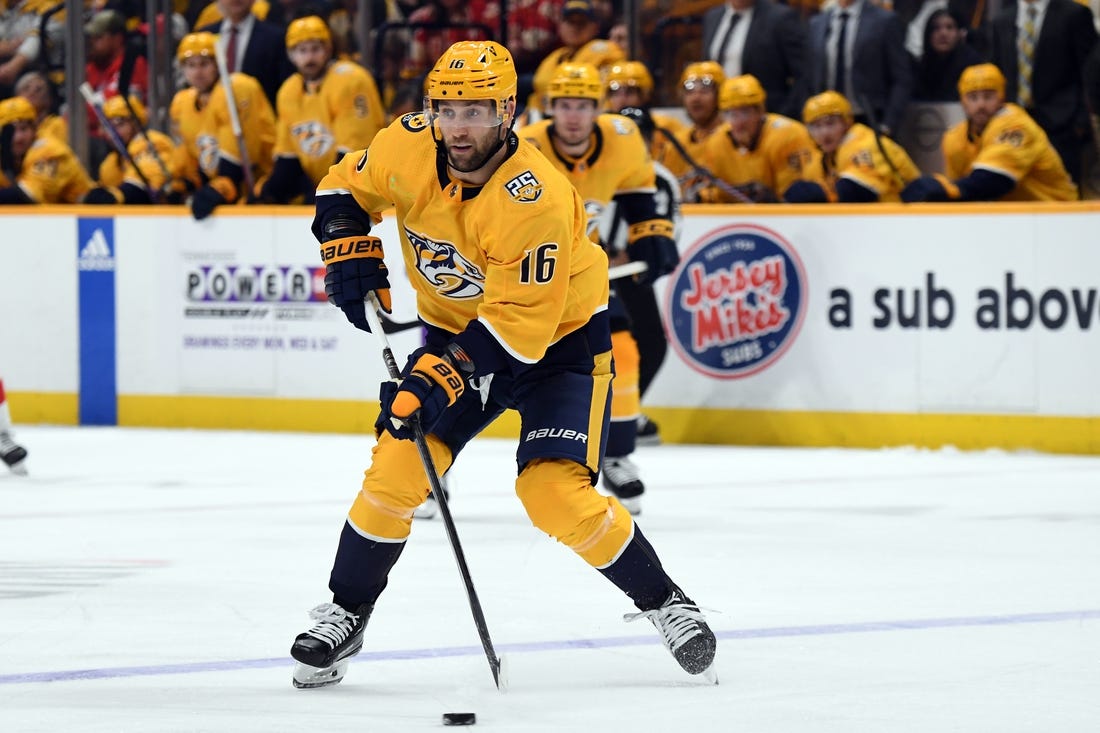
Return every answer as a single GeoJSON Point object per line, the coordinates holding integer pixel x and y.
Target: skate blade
{"type": "Point", "coordinates": [308, 678]}
{"type": "Point", "coordinates": [427, 510]}
{"type": "Point", "coordinates": [710, 674]}
{"type": "Point", "coordinates": [19, 469]}
{"type": "Point", "coordinates": [632, 505]}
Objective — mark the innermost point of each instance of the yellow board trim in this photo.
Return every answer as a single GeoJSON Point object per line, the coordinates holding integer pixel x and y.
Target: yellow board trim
{"type": "Point", "coordinates": [1052, 434]}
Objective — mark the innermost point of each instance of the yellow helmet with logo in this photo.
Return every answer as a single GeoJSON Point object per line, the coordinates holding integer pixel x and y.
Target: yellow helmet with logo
{"type": "Point", "coordinates": [980, 78]}
{"type": "Point", "coordinates": [310, 28]}
{"type": "Point", "coordinates": [474, 70]}
{"type": "Point", "coordinates": [580, 81]}
{"type": "Point", "coordinates": [196, 44]}
{"type": "Point", "coordinates": [826, 104]}
{"type": "Point", "coordinates": [741, 91]}
{"type": "Point", "coordinates": [16, 109]}
{"type": "Point", "coordinates": [630, 74]}
{"type": "Point", "coordinates": [703, 72]}
{"type": "Point", "coordinates": [116, 107]}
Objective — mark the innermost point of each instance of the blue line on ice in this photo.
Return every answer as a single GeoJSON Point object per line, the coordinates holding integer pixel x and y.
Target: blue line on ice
{"type": "Point", "coordinates": [560, 645]}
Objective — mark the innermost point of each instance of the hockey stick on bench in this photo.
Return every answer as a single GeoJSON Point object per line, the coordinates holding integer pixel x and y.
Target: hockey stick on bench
{"type": "Point", "coordinates": [433, 479]}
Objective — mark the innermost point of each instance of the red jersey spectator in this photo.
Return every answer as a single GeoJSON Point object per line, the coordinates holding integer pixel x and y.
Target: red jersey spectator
{"type": "Point", "coordinates": [106, 33]}
{"type": "Point", "coordinates": [428, 45]}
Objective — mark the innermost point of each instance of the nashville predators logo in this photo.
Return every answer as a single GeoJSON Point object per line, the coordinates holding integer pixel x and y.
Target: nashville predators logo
{"type": "Point", "coordinates": [414, 122]}
{"type": "Point", "coordinates": [594, 209]}
{"type": "Point", "coordinates": [524, 188]}
{"type": "Point", "coordinates": [314, 139]}
{"type": "Point", "coordinates": [208, 153]}
{"type": "Point", "coordinates": [451, 274]}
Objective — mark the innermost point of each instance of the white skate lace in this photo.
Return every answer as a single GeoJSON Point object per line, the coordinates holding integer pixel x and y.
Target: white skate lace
{"type": "Point", "coordinates": [620, 470]}
{"type": "Point", "coordinates": [333, 623]}
{"type": "Point", "coordinates": [677, 622]}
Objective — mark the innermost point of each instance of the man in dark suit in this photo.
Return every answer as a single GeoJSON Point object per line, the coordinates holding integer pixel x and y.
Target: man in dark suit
{"type": "Point", "coordinates": [858, 49]}
{"type": "Point", "coordinates": [253, 46]}
{"type": "Point", "coordinates": [762, 38]}
{"type": "Point", "coordinates": [1063, 38]}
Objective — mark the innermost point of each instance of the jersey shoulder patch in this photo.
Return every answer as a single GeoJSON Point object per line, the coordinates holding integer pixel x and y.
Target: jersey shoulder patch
{"type": "Point", "coordinates": [414, 122]}
{"type": "Point", "coordinates": [524, 188]}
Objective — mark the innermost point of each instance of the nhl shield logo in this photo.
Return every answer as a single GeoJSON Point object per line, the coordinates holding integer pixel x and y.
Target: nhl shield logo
{"type": "Point", "coordinates": [736, 302]}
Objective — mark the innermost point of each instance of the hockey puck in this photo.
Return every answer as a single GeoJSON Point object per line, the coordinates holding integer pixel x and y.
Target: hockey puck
{"type": "Point", "coordinates": [459, 718]}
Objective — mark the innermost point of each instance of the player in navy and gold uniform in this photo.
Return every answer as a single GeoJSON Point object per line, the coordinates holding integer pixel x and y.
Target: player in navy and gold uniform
{"type": "Point", "coordinates": [629, 84]}
{"type": "Point", "coordinates": [997, 154]}
{"type": "Point", "coordinates": [756, 152]}
{"type": "Point", "coordinates": [209, 157]}
{"type": "Point", "coordinates": [853, 163]}
{"type": "Point", "coordinates": [605, 157]}
{"type": "Point", "coordinates": [699, 86]}
{"type": "Point", "coordinates": [514, 297]}
{"type": "Point", "coordinates": [119, 181]}
{"type": "Point", "coordinates": [328, 108]}
{"type": "Point", "coordinates": [35, 170]}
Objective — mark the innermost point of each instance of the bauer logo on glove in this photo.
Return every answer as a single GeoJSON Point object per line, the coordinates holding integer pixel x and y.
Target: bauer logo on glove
{"type": "Point", "coordinates": [349, 248]}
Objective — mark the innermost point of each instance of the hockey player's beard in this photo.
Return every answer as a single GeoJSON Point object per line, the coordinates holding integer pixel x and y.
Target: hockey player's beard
{"type": "Point", "coordinates": [475, 157]}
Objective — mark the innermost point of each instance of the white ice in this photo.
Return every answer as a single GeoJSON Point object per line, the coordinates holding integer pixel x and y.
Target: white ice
{"type": "Point", "coordinates": [152, 580]}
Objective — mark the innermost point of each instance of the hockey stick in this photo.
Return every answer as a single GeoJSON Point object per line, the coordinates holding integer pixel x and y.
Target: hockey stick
{"type": "Point", "coordinates": [871, 117]}
{"type": "Point", "coordinates": [626, 270]}
{"type": "Point", "coordinates": [234, 116]}
{"type": "Point", "coordinates": [95, 101]}
{"type": "Point", "coordinates": [700, 170]}
{"type": "Point", "coordinates": [391, 326]}
{"type": "Point", "coordinates": [372, 309]}
{"type": "Point", "coordinates": [125, 74]}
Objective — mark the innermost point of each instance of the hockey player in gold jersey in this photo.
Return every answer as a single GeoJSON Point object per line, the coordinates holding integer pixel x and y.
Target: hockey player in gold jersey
{"type": "Point", "coordinates": [328, 108]}
{"type": "Point", "coordinates": [513, 294]}
{"type": "Point", "coordinates": [756, 152]}
{"type": "Point", "coordinates": [605, 157]}
{"type": "Point", "coordinates": [209, 155]}
{"type": "Point", "coordinates": [699, 86]}
{"type": "Point", "coordinates": [119, 180]}
{"type": "Point", "coordinates": [629, 84]}
{"type": "Point", "coordinates": [997, 154]}
{"type": "Point", "coordinates": [33, 169]}
{"type": "Point", "coordinates": [853, 164]}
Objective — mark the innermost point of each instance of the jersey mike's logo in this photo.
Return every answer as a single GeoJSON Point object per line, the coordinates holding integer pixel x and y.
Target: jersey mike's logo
{"type": "Point", "coordinates": [449, 272]}
{"type": "Point", "coordinates": [314, 139]}
{"type": "Point", "coordinates": [736, 302]}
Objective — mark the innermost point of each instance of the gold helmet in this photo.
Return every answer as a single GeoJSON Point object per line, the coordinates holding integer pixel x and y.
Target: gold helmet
{"type": "Point", "coordinates": [826, 104]}
{"type": "Point", "coordinates": [981, 77]}
{"type": "Point", "coordinates": [580, 81]}
{"type": "Point", "coordinates": [630, 74]}
{"type": "Point", "coordinates": [473, 70]}
{"type": "Point", "coordinates": [741, 91]}
{"type": "Point", "coordinates": [702, 72]}
{"type": "Point", "coordinates": [310, 28]}
{"type": "Point", "coordinates": [196, 44]}
{"type": "Point", "coordinates": [116, 107]}
{"type": "Point", "coordinates": [16, 109]}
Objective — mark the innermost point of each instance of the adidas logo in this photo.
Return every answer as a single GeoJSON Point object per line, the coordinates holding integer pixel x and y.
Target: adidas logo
{"type": "Point", "coordinates": [96, 253]}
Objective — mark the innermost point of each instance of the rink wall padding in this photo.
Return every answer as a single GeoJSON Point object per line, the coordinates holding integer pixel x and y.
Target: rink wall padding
{"type": "Point", "coordinates": [969, 325]}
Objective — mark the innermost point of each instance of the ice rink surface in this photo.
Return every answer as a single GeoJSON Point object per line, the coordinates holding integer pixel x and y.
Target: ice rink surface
{"type": "Point", "coordinates": [153, 580]}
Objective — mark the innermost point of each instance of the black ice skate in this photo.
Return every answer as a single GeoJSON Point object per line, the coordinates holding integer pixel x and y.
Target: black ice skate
{"type": "Point", "coordinates": [620, 477]}
{"type": "Point", "coordinates": [323, 652]}
{"type": "Point", "coordinates": [12, 454]}
{"type": "Point", "coordinates": [685, 632]}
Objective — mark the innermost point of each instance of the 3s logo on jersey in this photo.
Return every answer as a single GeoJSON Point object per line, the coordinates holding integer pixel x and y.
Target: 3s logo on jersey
{"type": "Point", "coordinates": [314, 139]}
{"type": "Point", "coordinates": [440, 263]}
{"type": "Point", "coordinates": [524, 188]}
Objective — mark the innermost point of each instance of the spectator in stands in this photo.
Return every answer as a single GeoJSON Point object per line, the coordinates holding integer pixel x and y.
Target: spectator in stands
{"type": "Point", "coordinates": [857, 49]}
{"type": "Point", "coordinates": [756, 153]}
{"type": "Point", "coordinates": [764, 39]}
{"type": "Point", "coordinates": [997, 153]}
{"type": "Point", "coordinates": [36, 89]}
{"type": "Point", "coordinates": [210, 158]}
{"type": "Point", "coordinates": [578, 32]}
{"type": "Point", "coordinates": [946, 54]}
{"type": "Point", "coordinates": [144, 174]}
{"type": "Point", "coordinates": [855, 164]}
{"type": "Point", "coordinates": [20, 42]}
{"type": "Point", "coordinates": [532, 34]}
{"type": "Point", "coordinates": [326, 110]}
{"type": "Point", "coordinates": [699, 87]}
{"type": "Point", "coordinates": [106, 48]}
{"type": "Point", "coordinates": [252, 46]}
{"type": "Point", "coordinates": [35, 170]}
{"type": "Point", "coordinates": [1041, 47]}
{"type": "Point", "coordinates": [429, 44]}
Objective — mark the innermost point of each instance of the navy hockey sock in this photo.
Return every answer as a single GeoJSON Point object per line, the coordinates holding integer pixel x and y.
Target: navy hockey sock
{"type": "Point", "coordinates": [361, 568]}
{"type": "Point", "coordinates": [638, 573]}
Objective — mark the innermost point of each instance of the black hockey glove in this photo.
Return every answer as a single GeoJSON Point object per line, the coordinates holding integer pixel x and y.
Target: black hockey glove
{"type": "Point", "coordinates": [353, 268]}
{"type": "Point", "coordinates": [204, 201]}
{"type": "Point", "coordinates": [651, 242]}
{"type": "Point", "coordinates": [101, 195]}
{"type": "Point", "coordinates": [430, 383]}
{"type": "Point", "coordinates": [805, 192]}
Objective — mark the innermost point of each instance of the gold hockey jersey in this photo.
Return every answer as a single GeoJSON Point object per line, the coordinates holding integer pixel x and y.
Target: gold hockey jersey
{"type": "Point", "coordinates": [617, 162]}
{"type": "Point", "coordinates": [203, 131]}
{"type": "Point", "coordinates": [1014, 145]}
{"type": "Point", "coordinates": [52, 174]}
{"type": "Point", "coordinates": [859, 159]}
{"type": "Point", "coordinates": [782, 152]}
{"type": "Point", "coordinates": [340, 113]}
{"type": "Point", "coordinates": [114, 172]}
{"type": "Point", "coordinates": [512, 254]}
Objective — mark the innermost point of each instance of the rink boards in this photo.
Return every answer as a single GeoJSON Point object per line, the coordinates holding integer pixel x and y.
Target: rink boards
{"type": "Point", "coordinates": [974, 326]}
